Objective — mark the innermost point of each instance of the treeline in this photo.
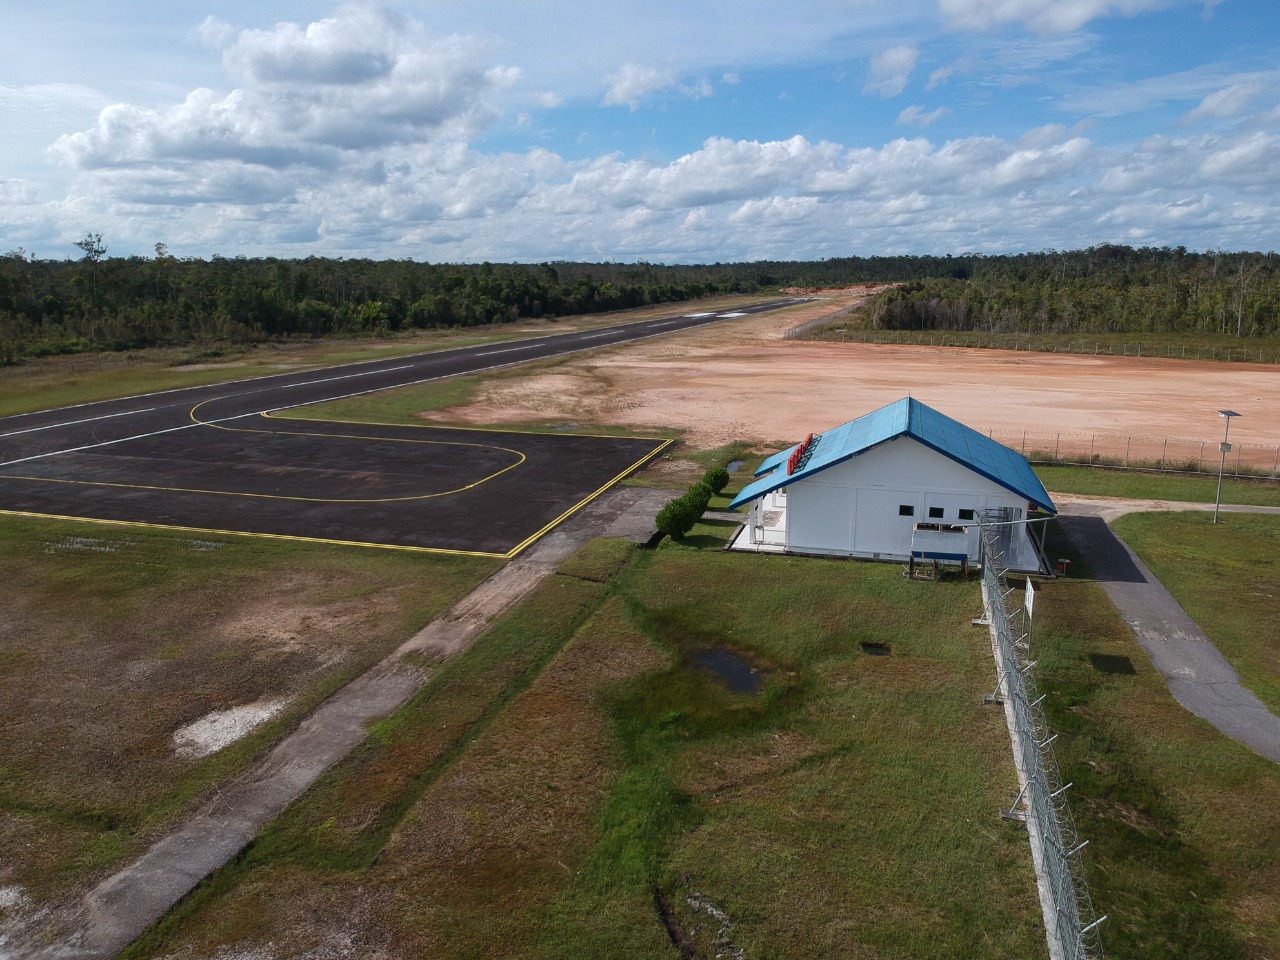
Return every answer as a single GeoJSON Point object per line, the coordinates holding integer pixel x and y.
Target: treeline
{"type": "Point", "coordinates": [122, 303]}
{"type": "Point", "coordinates": [1110, 289]}
{"type": "Point", "coordinates": [98, 302]}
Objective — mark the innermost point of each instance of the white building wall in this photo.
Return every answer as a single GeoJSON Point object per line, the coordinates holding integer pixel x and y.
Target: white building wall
{"type": "Point", "coordinates": [853, 509]}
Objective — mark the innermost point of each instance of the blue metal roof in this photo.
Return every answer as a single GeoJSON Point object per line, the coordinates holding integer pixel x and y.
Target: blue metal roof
{"type": "Point", "coordinates": [909, 418]}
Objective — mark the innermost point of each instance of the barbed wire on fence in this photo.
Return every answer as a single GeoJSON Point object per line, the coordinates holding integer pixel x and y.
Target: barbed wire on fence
{"type": "Point", "coordinates": [1070, 920]}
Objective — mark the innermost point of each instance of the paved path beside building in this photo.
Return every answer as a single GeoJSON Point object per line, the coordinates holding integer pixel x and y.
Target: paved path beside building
{"type": "Point", "coordinates": [120, 908]}
{"type": "Point", "coordinates": [1197, 674]}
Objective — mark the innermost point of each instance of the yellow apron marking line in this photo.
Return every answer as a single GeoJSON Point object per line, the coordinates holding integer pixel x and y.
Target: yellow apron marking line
{"type": "Point", "coordinates": [524, 544]}
{"type": "Point", "coordinates": [582, 503]}
{"type": "Point", "coordinates": [261, 536]}
{"type": "Point", "coordinates": [276, 415]}
{"type": "Point", "coordinates": [520, 458]}
{"type": "Point", "coordinates": [257, 496]}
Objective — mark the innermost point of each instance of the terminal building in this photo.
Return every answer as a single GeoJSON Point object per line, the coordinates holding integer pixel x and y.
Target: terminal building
{"type": "Point", "coordinates": [901, 483]}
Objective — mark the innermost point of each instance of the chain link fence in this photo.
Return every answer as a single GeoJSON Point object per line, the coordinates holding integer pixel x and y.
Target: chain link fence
{"type": "Point", "coordinates": [1167, 454]}
{"type": "Point", "coordinates": [1071, 924]}
{"type": "Point", "coordinates": [831, 328]}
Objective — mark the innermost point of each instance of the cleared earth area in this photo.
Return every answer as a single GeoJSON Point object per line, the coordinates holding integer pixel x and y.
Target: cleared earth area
{"type": "Point", "coordinates": [744, 382]}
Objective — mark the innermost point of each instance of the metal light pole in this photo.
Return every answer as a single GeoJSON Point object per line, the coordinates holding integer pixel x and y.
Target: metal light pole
{"type": "Point", "coordinates": [1224, 448]}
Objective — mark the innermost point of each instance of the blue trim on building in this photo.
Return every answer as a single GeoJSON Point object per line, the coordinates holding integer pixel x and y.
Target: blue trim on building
{"type": "Point", "coordinates": [911, 418]}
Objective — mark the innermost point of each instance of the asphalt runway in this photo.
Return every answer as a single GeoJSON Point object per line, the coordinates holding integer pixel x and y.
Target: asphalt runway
{"type": "Point", "coordinates": [215, 459]}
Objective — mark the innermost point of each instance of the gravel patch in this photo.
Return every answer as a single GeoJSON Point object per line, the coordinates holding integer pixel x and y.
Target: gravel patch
{"type": "Point", "coordinates": [221, 728]}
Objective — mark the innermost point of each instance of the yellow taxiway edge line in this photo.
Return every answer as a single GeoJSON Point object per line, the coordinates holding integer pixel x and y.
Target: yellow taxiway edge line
{"type": "Point", "coordinates": [582, 503]}
{"type": "Point", "coordinates": [268, 496]}
{"type": "Point", "coordinates": [262, 536]}
{"type": "Point", "coordinates": [444, 426]}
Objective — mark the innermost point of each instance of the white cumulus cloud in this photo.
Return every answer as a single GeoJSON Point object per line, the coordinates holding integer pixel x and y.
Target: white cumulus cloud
{"type": "Point", "coordinates": [364, 79]}
{"type": "Point", "coordinates": [890, 70]}
{"type": "Point", "coordinates": [632, 81]}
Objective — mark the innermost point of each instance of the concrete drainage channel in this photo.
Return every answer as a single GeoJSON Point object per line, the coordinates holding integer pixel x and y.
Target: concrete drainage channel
{"type": "Point", "coordinates": [119, 909]}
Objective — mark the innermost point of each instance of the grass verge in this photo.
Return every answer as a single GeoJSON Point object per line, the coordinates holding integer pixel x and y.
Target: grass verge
{"type": "Point", "coordinates": [1227, 577]}
{"type": "Point", "coordinates": [581, 765]}
{"type": "Point", "coordinates": [1183, 823]}
{"type": "Point", "coordinates": [1156, 486]}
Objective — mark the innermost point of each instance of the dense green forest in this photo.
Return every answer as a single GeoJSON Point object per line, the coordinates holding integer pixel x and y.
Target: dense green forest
{"type": "Point", "coordinates": [1096, 291]}
{"type": "Point", "coordinates": [97, 302]}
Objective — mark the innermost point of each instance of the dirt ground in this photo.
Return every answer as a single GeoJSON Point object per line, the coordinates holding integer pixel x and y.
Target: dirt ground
{"type": "Point", "coordinates": [740, 380]}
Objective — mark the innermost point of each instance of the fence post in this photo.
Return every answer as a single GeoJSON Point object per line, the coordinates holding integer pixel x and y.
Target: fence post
{"type": "Point", "coordinates": [1164, 454]}
{"type": "Point", "coordinates": [1200, 459]}
{"type": "Point", "coordinates": [1092, 439]}
{"type": "Point", "coordinates": [1070, 918]}
{"type": "Point", "coordinates": [1057, 438]}
{"type": "Point", "coordinates": [1126, 450]}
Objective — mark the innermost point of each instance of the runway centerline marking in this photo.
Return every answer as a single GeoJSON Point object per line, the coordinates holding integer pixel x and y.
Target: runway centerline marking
{"type": "Point", "coordinates": [188, 426]}
{"type": "Point", "coordinates": [73, 423]}
{"type": "Point", "coordinates": [216, 424]}
{"type": "Point", "coordinates": [108, 443]}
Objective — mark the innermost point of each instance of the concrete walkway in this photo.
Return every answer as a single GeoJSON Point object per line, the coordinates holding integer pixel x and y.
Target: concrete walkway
{"type": "Point", "coordinates": [1196, 673]}
{"type": "Point", "coordinates": [119, 909]}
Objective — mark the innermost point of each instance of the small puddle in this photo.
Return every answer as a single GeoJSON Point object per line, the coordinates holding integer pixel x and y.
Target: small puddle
{"type": "Point", "coordinates": [728, 666]}
{"type": "Point", "coordinates": [734, 466]}
{"type": "Point", "coordinates": [1113, 664]}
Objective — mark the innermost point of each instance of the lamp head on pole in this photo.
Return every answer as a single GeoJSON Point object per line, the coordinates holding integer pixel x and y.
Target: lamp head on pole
{"type": "Point", "coordinates": [1227, 414]}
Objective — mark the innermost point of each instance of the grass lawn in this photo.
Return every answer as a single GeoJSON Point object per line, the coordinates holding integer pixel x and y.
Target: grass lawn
{"type": "Point", "coordinates": [1183, 823]}
{"type": "Point", "coordinates": [113, 638]}
{"type": "Point", "coordinates": [1157, 486]}
{"type": "Point", "coordinates": [1227, 577]}
{"type": "Point", "coordinates": [581, 784]}
{"type": "Point", "coordinates": [578, 783]}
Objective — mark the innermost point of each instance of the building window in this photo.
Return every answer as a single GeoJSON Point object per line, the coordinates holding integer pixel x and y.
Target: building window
{"type": "Point", "coordinates": [966, 514]}
{"type": "Point", "coordinates": [906, 510]}
{"type": "Point", "coordinates": [938, 528]}
{"type": "Point", "coordinates": [936, 513]}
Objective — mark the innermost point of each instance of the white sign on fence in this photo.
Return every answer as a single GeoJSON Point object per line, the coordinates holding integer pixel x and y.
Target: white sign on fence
{"type": "Point", "coordinates": [1029, 598]}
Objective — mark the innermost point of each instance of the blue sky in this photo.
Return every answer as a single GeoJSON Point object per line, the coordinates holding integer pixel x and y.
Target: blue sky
{"type": "Point", "coordinates": [466, 130]}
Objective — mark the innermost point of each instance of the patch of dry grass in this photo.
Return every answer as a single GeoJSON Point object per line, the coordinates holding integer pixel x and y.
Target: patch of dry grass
{"type": "Point", "coordinates": [501, 772]}
{"type": "Point", "coordinates": [110, 642]}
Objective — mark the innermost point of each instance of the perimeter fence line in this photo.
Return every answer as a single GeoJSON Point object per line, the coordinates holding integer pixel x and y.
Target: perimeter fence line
{"type": "Point", "coordinates": [1162, 454]}
{"type": "Point", "coordinates": [1098, 348]}
{"type": "Point", "coordinates": [1071, 924]}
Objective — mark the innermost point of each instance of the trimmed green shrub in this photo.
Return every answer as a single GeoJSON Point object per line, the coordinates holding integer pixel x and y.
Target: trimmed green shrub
{"type": "Point", "coordinates": [699, 496]}
{"type": "Point", "coordinates": [677, 517]}
{"type": "Point", "coordinates": [717, 478]}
